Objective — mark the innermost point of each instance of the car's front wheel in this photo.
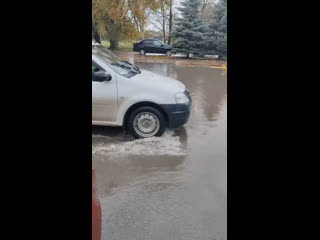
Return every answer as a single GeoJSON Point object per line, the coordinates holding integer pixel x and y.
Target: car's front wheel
{"type": "Point", "coordinates": [146, 122]}
{"type": "Point", "coordinates": [168, 53]}
{"type": "Point", "coordinates": [142, 52]}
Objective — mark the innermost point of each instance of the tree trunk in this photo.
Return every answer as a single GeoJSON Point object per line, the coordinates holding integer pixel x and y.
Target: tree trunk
{"type": "Point", "coordinates": [114, 44]}
{"type": "Point", "coordinates": [164, 29]}
{"type": "Point", "coordinates": [142, 31]}
{"type": "Point", "coordinates": [114, 38]}
{"type": "Point", "coordinates": [163, 24]}
{"type": "Point", "coordinates": [170, 23]}
{"type": "Point", "coordinates": [204, 4]}
{"type": "Point", "coordinates": [97, 37]}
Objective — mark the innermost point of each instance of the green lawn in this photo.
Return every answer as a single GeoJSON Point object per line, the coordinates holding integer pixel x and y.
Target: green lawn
{"type": "Point", "coordinates": [123, 46]}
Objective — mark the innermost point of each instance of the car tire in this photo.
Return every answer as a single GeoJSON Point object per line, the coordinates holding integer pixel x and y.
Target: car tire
{"type": "Point", "coordinates": [145, 122]}
{"type": "Point", "coordinates": [142, 52]}
{"type": "Point", "coordinates": [168, 53]}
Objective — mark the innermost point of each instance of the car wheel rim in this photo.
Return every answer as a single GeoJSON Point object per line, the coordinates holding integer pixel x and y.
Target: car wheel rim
{"type": "Point", "coordinates": [146, 124]}
{"type": "Point", "coordinates": [142, 52]}
{"type": "Point", "coordinates": [168, 53]}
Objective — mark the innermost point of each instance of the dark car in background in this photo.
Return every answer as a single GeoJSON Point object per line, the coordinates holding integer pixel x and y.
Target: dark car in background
{"type": "Point", "coordinates": [152, 46]}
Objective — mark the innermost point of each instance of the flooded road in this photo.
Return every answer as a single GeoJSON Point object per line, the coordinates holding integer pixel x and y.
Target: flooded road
{"type": "Point", "coordinates": [134, 57]}
{"type": "Point", "coordinates": [173, 187]}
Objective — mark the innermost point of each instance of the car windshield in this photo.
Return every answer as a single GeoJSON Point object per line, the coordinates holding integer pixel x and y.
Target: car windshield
{"type": "Point", "coordinates": [124, 68]}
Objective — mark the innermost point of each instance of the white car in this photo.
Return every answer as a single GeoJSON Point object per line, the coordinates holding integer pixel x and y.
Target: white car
{"type": "Point", "coordinates": [139, 100]}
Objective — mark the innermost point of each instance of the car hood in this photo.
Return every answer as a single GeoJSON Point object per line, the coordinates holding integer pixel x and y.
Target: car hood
{"type": "Point", "coordinates": [154, 80]}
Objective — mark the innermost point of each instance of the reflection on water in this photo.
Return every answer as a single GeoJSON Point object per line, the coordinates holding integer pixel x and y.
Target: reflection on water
{"type": "Point", "coordinates": [208, 86]}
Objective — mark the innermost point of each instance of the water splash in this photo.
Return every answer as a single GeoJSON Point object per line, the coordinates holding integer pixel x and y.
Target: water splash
{"type": "Point", "coordinates": [168, 144]}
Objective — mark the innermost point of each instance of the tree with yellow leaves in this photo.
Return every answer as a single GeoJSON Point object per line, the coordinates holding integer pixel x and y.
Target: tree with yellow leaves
{"type": "Point", "coordinates": [116, 17]}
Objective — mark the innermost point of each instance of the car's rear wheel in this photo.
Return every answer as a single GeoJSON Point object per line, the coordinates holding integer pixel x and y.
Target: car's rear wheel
{"type": "Point", "coordinates": [142, 52]}
{"type": "Point", "coordinates": [168, 53]}
{"type": "Point", "coordinates": [146, 122]}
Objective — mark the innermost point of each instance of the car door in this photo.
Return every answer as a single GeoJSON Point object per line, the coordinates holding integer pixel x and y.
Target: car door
{"type": "Point", "coordinates": [104, 97]}
{"type": "Point", "coordinates": [157, 46]}
{"type": "Point", "coordinates": [148, 46]}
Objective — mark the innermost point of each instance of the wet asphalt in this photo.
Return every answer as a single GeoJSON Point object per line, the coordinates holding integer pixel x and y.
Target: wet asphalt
{"type": "Point", "coordinates": [173, 187]}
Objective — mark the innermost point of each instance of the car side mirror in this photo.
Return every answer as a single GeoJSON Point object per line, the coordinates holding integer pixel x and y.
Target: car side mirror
{"type": "Point", "coordinates": [102, 76]}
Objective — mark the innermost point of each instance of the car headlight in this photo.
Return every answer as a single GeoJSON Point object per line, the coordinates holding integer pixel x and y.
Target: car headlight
{"type": "Point", "coordinates": [181, 98]}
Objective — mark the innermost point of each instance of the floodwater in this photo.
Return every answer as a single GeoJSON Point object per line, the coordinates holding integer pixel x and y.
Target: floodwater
{"type": "Point", "coordinates": [173, 187]}
{"type": "Point", "coordinates": [176, 59]}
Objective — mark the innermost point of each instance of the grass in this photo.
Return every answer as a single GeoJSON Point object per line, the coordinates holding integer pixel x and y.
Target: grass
{"type": "Point", "coordinates": [123, 46]}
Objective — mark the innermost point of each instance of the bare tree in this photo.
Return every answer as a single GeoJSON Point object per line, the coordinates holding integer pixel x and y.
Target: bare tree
{"type": "Point", "coordinates": [203, 8]}
{"type": "Point", "coordinates": [162, 19]}
{"type": "Point", "coordinates": [170, 19]}
{"type": "Point", "coordinates": [206, 9]}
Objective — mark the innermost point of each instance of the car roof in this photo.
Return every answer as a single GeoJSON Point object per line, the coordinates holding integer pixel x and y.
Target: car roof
{"type": "Point", "coordinates": [149, 39]}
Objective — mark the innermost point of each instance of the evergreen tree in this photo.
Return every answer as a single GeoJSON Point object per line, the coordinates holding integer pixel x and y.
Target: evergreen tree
{"type": "Point", "coordinates": [190, 31]}
{"type": "Point", "coordinates": [217, 34]}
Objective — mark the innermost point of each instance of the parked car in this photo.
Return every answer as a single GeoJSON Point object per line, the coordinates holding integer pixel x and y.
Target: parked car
{"type": "Point", "coordinates": [139, 100]}
{"type": "Point", "coordinates": [152, 46]}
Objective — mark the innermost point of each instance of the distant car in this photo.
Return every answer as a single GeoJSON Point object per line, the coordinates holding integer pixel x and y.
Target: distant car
{"type": "Point", "coordinates": [152, 46]}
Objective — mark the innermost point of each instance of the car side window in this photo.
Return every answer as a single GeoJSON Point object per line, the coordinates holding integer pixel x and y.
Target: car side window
{"type": "Point", "coordinates": [156, 43]}
{"type": "Point", "coordinates": [147, 42]}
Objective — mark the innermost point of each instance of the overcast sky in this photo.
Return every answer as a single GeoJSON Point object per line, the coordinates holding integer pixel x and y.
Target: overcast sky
{"type": "Point", "coordinates": [150, 26]}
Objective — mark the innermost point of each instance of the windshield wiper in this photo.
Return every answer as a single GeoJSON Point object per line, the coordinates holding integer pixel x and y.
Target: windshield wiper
{"type": "Point", "coordinates": [135, 67]}
{"type": "Point", "coordinates": [129, 67]}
